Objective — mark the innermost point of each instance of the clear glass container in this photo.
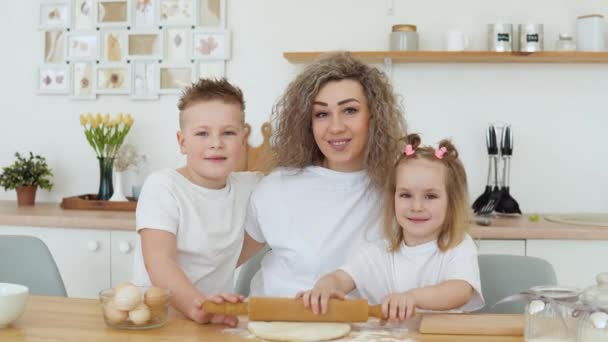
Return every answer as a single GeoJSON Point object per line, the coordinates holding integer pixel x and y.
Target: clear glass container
{"type": "Point", "coordinates": [565, 43]}
{"type": "Point", "coordinates": [593, 320]}
{"type": "Point", "coordinates": [127, 306]}
{"type": "Point", "coordinates": [548, 317]}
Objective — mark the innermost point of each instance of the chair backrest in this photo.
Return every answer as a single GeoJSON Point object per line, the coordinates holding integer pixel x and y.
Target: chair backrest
{"type": "Point", "coordinates": [505, 275]}
{"type": "Point", "coordinates": [258, 158]}
{"type": "Point", "coordinates": [26, 260]}
{"type": "Point", "coordinates": [248, 270]}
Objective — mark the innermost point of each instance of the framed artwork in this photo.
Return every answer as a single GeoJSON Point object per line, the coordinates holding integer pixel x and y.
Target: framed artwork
{"type": "Point", "coordinates": [114, 45]}
{"type": "Point", "coordinates": [53, 79]}
{"type": "Point", "coordinates": [83, 46]}
{"type": "Point", "coordinates": [54, 14]}
{"type": "Point", "coordinates": [176, 12]}
{"type": "Point", "coordinates": [145, 45]}
{"type": "Point", "coordinates": [212, 13]}
{"type": "Point", "coordinates": [113, 13]}
{"type": "Point", "coordinates": [211, 44]}
{"type": "Point", "coordinates": [177, 44]}
{"type": "Point", "coordinates": [83, 81]}
{"type": "Point", "coordinates": [211, 69]}
{"type": "Point", "coordinates": [84, 15]}
{"type": "Point", "coordinates": [144, 13]}
{"type": "Point", "coordinates": [172, 79]}
{"type": "Point", "coordinates": [113, 78]}
{"type": "Point", "coordinates": [54, 46]}
{"type": "Point", "coordinates": [144, 81]}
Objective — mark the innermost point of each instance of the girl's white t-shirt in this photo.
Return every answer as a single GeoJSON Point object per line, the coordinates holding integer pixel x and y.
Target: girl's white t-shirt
{"type": "Point", "coordinates": [314, 220]}
{"type": "Point", "coordinates": [377, 272]}
{"type": "Point", "coordinates": [207, 223]}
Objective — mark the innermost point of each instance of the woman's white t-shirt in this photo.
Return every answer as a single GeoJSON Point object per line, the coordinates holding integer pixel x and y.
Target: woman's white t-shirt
{"type": "Point", "coordinates": [314, 220]}
{"type": "Point", "coordinates": [207, 223]}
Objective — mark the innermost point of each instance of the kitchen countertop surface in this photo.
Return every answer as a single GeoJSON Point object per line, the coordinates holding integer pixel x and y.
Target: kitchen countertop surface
{"type": "Point", "coordinates": [73, 319]}
{"type": "Point", "coordinates": [52, 215]}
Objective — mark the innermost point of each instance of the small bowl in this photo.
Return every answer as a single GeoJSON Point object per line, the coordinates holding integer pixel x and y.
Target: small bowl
{"type": "Point", "coordinates": [12, 302]}
{"type": "Point", "coordinates": [127, 306]}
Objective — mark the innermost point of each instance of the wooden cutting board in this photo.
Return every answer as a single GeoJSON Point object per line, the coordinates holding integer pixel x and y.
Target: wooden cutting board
{"type": "Point", "coordinates": [473, 324]}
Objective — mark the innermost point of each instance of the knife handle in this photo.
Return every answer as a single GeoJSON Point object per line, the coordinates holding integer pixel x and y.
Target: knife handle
{"type": "Point", "coordinates": [230, 309]}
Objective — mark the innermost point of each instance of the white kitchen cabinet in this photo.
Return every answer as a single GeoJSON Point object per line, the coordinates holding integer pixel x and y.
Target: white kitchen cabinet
{"type": "Point", "coordinates": [511, 247]}
{"type": "Point", "coordinates": [82, 256]}
{"type": "Point", "coordinates": [123, 245]}
{"type": "Point", "coordinates": [576, 262]}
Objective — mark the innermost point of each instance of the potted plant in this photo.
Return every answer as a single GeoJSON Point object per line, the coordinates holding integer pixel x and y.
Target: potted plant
{"type": "Point", "coordinates": [26, 175]}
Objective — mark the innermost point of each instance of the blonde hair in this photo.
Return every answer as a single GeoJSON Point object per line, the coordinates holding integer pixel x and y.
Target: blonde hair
{"type": "Point", "coordinates": [208, 90]}
{"type": "Point", "coordinates": [456, 220]}
{"type": "Point", "coordinates": [292, 140]}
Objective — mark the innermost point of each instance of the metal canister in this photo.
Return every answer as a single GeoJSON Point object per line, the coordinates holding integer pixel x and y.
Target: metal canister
{"type": "Point", "coordinates": [500, 37]}
{"type": "Point", "coordinates": [531, 37]}
{"type": "Point", "coordinates": [404, 38]}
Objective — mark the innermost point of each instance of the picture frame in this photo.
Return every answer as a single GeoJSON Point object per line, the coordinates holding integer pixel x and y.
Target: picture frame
{"type": "Point", "coordinates": [210, 69]}
{"type": "Point", "coordinates": [113, 45]}
{"type": "Point", "coordinates": [113, 13]}
{"type": "Point", "coordinates": [53, 79]}
{"type": "Point", "coordinates": [177, 44]}
{"type": "Point", "coordinates": [84, 14]}
{"type": "Point", "coordinates": [210, 44]}
{"type": "Point", "coordinates": [144, 13]}
{"type": "Point", "coordinates": [112, 78]}
{"type": "Point", "coordinates": [211, 13]}
{"type": "Point", "coordinates": [82, 46]}
{"type": "Point", "coordinates": [144, 80]}
{"type": "Point", "coordinates": [145, 44]}
{"type": "Point", "coordinates": [53, 46]}
{"type": "Point", "coordinates": [83, 81]}
{"type": "Point", "coordinates": [54, 14]}
{"type": "Point", "coordinates": [176, 13]}
{"type": "Point", "coordinates": [173, 78]}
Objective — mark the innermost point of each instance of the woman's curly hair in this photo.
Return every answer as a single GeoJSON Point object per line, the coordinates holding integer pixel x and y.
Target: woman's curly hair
{"type": "Point", "coordinates": [292, 140]}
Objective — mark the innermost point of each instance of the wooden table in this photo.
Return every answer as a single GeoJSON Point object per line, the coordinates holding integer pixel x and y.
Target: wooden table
{"type": "Point", "coordinates": [70, 319]}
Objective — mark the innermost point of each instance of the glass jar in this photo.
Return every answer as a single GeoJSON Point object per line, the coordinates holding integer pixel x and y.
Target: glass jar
{"type": "Point", "coordinates": [548, 315]}
{"type": "Point", "coordinates": [593, 320]}
{"type": "Point", "coordinates": [404, 38]}
{"type": "Point", "coordinates": [565, 43]}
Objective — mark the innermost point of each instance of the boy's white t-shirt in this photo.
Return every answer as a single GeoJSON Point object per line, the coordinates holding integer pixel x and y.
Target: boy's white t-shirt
{"type": "Point", "coordinates": [377, 272]}
{"type": "Point", "coordinates": [313, 219]}
{"type": "Point", "coordinates": [207, 223]}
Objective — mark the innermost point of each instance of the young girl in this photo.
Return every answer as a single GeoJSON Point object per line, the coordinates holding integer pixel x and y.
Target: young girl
{"type": "Point", "coordinates": [427, 261]}
{"type": "Point", "coordinates": [336, 132]}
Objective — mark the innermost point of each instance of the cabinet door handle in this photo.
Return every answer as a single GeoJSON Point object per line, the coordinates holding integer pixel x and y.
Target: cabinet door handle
{"type": "Point", "coordinates": [93, 245]}
{"type": "Point", "coordinates": [124, 247]}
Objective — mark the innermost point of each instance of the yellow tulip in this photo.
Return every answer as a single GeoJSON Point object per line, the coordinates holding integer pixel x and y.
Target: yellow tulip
{"type": "Point", "coordinates": [128, 120]}
{"type": "Point", "coordinates": [106, 119]}
{"type": "Point", "coordinates": [83, 120]}
{"type": "Point", "coordinates": [89, 117]}
{"type": "Point", "coordinates": [94, 124]}
{"type": "Point", "coordinates": [119, 117]}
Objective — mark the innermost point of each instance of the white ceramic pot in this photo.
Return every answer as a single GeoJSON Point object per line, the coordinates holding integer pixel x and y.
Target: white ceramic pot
{"type": "Point", "coordinates": [12, 302]}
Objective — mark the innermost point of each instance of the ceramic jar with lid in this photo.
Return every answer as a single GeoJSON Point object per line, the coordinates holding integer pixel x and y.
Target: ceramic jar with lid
{"type": "Point", "coordinates": [404, 38]}
{"type": "Point", "coordinates": [549, 314]}
{"type": "Point", "coordinates": [590, 33]}
{"type": "Point", "coordinates": [593, 318]}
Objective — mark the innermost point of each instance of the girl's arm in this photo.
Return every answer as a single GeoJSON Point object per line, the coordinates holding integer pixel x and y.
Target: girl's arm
{"type": "Point", "coordinates": [160, 254]}
{"type": "Point", "coordinates": [332, 285]}
{"type": "Point", "coordinates": [249, 249]}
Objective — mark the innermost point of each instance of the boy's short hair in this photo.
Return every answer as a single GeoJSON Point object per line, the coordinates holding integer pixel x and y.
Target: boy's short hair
{"type": "Point", "coordinates": [207, 89]}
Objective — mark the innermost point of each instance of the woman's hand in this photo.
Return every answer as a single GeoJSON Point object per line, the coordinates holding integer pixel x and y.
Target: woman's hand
{"type": "Point", "coordinates": [318, 297]}
{"type": "Point", "coordinates": [198, 314]}
{"type": "Point", "coordinates": [398, 307]}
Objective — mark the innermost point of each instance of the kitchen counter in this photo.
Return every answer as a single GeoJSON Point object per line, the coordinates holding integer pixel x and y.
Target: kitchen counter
{"type": "Point", "coordinates": [51, 215]}
{"type": "Point", "coordinates": [73, 319]}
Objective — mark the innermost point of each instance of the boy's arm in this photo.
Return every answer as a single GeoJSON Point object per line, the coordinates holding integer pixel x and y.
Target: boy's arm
{"type": "Point", "coordinates": [443, 296]}
{"type": "Point", "coordinates": [249, 249]}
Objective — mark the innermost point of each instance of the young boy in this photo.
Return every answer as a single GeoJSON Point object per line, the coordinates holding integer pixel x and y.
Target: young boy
{"type": "Point", "coordinates": [190, 220]}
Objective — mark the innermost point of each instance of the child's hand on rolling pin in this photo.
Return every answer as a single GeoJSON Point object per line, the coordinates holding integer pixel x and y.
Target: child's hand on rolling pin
{"type": "Point", "coordinates": [199, 315]}
{"type": "Point", "coordinates": [318, 298]}
{"type": "Point", "coordinates": [397, 307]}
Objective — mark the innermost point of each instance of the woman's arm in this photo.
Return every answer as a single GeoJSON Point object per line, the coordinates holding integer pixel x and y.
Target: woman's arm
{"type": "Point", "coordinates": [249, 249]}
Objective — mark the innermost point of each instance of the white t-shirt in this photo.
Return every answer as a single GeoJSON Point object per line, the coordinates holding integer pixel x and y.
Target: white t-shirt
{"type": "Point", "coordinates": [313, 219]}
{"type": "Point", "coordinates": [207, 223]}
{"type": "Point", "coordinates": [377, 272]}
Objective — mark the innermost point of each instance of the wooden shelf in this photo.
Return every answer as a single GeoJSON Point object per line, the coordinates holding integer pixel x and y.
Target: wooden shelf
{"type": "Point", "coordinates": [462, 57]}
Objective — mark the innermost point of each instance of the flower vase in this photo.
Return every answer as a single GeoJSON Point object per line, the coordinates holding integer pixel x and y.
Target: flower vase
{"type": "Point", "coordinates": [118, 194]}
{"type": "Point", "coordinates": [105, 178]}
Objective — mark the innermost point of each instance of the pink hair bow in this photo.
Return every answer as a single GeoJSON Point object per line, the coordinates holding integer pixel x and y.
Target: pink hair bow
{"type": "Point", "coordinates": [409, 150]}
{"type": "Point", "coordinates": [440, 152]}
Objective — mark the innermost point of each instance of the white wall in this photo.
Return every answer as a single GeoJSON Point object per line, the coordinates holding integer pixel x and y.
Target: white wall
{"type": "Point", "coordinates": [559, 112]}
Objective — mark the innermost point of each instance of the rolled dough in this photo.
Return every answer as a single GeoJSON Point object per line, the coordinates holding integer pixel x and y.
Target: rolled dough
{"type": "Point", "coordinates": [296, 331]}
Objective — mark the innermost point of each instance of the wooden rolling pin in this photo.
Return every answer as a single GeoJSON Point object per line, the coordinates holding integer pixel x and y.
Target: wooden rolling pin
{"type": "Point", "coordinates": [293, 310]}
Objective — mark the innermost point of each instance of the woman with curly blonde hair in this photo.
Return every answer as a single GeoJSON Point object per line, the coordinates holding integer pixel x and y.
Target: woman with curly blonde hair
{"type": "Point", "coordinates": [336, 132]}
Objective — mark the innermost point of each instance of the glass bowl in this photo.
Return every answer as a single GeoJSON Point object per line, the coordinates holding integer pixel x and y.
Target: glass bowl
{"type": "Point", "coordinates": [127, 306]}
